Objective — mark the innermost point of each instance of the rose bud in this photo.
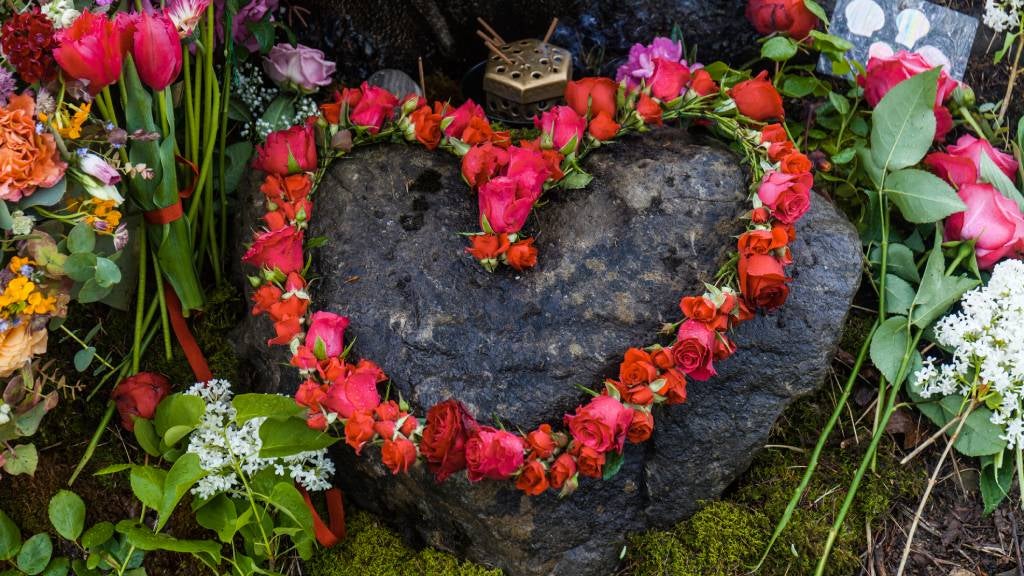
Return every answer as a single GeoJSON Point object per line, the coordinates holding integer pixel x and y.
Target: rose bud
{"type": "Point", "coordinates": [138, 396]}
{"type": "Point", "coordinates": [789, 16]}
{"type": "Point", "coordinates": [398, 455]}
{"type": "Point", "coordinates": [494, 454]}
{"type": "Point", "coordinates": [542, 445]}
{"type": "Point", "coordinates": [359, 430]}
{"type": "Point", "coordinates": [757, 99]}
{"type": "Point", "coordinates": [562, 471]}
{"type": "Point", "coordinates": [641, 428]}
{"type": "Point", "coordinates": [533, 479]}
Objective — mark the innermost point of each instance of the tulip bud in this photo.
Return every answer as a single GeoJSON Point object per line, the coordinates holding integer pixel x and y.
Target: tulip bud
{"type": "Point", "coordinates": [156, 49]}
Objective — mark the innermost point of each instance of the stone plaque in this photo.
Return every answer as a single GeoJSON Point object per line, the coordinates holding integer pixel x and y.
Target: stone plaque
{"type": "Point", "coordinates": [882, 27]}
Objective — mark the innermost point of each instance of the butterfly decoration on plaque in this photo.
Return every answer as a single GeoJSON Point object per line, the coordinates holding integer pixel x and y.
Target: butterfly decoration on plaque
{"type": "Point", "coordinates": [883, 27]}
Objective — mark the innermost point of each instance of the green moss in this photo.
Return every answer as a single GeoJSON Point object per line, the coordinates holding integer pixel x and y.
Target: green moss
{"type": "Point", "coordinates": [370, 549]}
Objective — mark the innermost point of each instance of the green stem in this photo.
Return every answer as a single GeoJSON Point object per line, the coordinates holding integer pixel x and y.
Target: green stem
{"type": "Point", "coordinates": [85, 345]}
{"type": "Point", "coordinates": [164, 318]}
{"type": "Point", "coordinates": [816, 454]}
{"type": "Point", "coordinates": [1011, 84]}
{"type": "Point", "coordinates": [851, 493]}
{"type": "Point", "coordinates": [91, 448]}
{"type": "Point", "coordinates": [140, 304]}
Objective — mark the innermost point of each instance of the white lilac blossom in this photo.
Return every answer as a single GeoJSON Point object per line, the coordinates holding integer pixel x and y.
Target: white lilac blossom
{"type": "Point", "coordinates": [224, 447]}
{"type": "Point", "coordinates": [986, 338]}
{"type": "Point", "coordinates": [1003, 15]}
{"type": "Point", "coordinates": [61, 12]}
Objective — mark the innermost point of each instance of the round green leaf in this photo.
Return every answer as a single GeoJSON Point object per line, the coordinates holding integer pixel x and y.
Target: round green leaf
{"type": "Point", "coordinates": [81, 239]}
{"type": "Point", "coordinates": [97, 535]}
{"type": "Point", "coordinates": [57, 567]}
{"type": "Point", "coordinates": [10, 537]}
{"type": "Point", "coordinates": [35, 554]}
{"type": "Point", "coordinates": [889, 345]}
{"type": "Point", "coordinates": [779, 49]}
{"type": "Point", "coordinates": [80, 267]}
{"type": "Point", "coordinates": [83, 358]}
{"type": "Point", "coordinates": [107, 272]}
{"type": "Point", "coordinates": [67, 514]}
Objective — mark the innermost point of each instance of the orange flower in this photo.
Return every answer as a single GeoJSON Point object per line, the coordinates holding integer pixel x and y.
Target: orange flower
{"type": "Point", "coordinates": [28, 160]}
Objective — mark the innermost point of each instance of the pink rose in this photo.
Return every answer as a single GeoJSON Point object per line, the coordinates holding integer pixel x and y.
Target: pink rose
{"type": "Point", "coordinates": [972, 148]}
{"type": "Point", "coordinates": [561, 124]}
{"type": "Point", "coordinates": [601, 424]}
{"type": "Point", "coordinates": [288, 151]}
{"type": "Point", "coordinates": [694, 350]}
{"type": "Point", "coordinates": [529, 167]}
{"type": "Point", "coordinates": [885, 70]}
{"type": "Point", "coordinates": [280, 248]}
{"type": "Point", "coordinates": [494, 454]}
{"type": "Point", "coordinates": [329, 329]}
{"type": "Point", "coordinates": [506, 203]}
{"type": "Point", "coordinates": [355, 393]}
{"type": "Point", "coordinates": [669, 79]}
{"type": "Point", "coordinates": [788, 195]}
{"type": "Point", "coordinates": [957, 170]}
{"type": "Point", "coordinates": [298, 67]}
{"type": "Point", "coordinates": [994, 221]}
{"type": "Point", "coordinates": [460, 118]}
{"type": "Point", "coordinates": [374, 107]}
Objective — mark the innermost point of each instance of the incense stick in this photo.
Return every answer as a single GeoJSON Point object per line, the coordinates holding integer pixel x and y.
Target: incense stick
{"type": "Point", "coordinates": [490, 30]}
{"type": "Point", "coordinates": [551, 30]}
{"type": "Point", "coordinates": [423, 78]}
{"type": "Point", "coordinates": [500, 53]}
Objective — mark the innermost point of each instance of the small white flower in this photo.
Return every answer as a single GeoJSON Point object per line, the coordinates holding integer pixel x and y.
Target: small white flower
{"type": "Point", "coordinates": [5, 413]}
{"type": "Point", "coordinates": [61, 12]}
{"type": "Point", "coordinates": [22, 224]}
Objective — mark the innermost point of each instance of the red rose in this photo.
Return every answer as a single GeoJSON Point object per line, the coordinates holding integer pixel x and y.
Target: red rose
{"type": "Point", "coordinates": [669, 79]}
{"type": "Point", "coordinates": [480, 131]}
{"type": "Point", "coordinates": [427, 126]}
{"type": "Point", "coordinates": [138, 396]}
{"type": "Point", "coordinates": [694, 350]}
{"type": "Point", "coordinates": [444, 438]}
{"type": "Point", "coordinates": [957, 170]}
{"type": "Point", "coordinates": [674, 389]}
{"type": "Point", "coordinates": [542, 444]}
{"type": "Point", "coordinates": [506, 203]}
{"type": "Point", "coordinates": [662, 358]}
{"type": "Point", "coordinates": [886, 69]}
{"type": "Point", "coordinates": [563, 126]}
{"type": "Point", "coordinates": [763, 281]}
{"type": "Point", "coordinates": [280, 249]}
{"type": "Point", "coordinates": [488, 246]}
{"type": "Point", "coordinates": [290, 308]}
{"type": "Point", "coordinates": [398, 455]}
{"type": "Point", "coordinates": [703, 84]}
{"type": "Point", "coordinates": [290, 189]}
{"type": "Point", "coordinates": [288, 151]}
{"type": "Point", "coordinates": [591, 461]}
{"type": "Point", "coordinates": [639, 395]}
{"type": "Point", "coordinates": [795, 163]}
{"type": "Point", "coordinates": [359, 430]}
{"type": "Point", "coordinates": [562, 470]}
{"type": "Point", "coordinates": [461, 118]}
{"type": "Point", "coordinates": [327, 332]}
{"type": "Point", "coordinates": [387, 410]}
{"type": "Point", "coordinates": [355, 393]}
{"type": "Point", "coordinates": [483, 162]}
{"type": "Point", "coordinates": [637, 368]}
{"type": "Point", "coordinates": [757, 99]}
{"type": "Point", "coordinates": [699, 308]}
{"type": "Point", "coordinates": [601, 424]}
{"type": "Point", "coordinates": [603, 127]}
{"type": "Point", "coordinates": [409, 425]}
{"type": "Point", "coordinates": [533, 480]}
{"type": "Point", "coordinates": [992, 220]}
{"type": "Point", "coordinates": [310, 394]}
{"type": "Point", "coordinates": [264, 297]}
{"type": "Point", "coordinates": [641, 428]}
{"type": "Point", "coordinates": [374, 107]}
{"type": "Point", "coordinates": [522, 255]}
{"type": "Point", "coordinates": [593, 96]}
{"type": "Point", "coordinates": [284, 331]}
{"type": "Point", "coordinates": [773, 134]}
{"type": "Point", "coordinates": [789, 16]}
{"type": "Point", "coordinates": [788, 195]}
{"type": "Point", "coordinates": [649, 110]}
{"type": "Point", "coordinates": [494, 454]}
{"type": "Point", "coordinates": [762, 241]}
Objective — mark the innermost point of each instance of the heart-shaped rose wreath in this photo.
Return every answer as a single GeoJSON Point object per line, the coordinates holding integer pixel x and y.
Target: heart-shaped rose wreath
{"type": "Point", "coordinates": [509, 180]}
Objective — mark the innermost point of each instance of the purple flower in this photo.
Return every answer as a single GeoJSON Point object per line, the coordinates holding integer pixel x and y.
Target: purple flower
{"type": "Point", "coordinates": [254, 11]}
{"type": "Point", "coordinates": [640, 65]}
{"type": "Point", "coordinates": [7, 85]}
{"type": "Point", "coordinates": [298, 68]}
{"type": "Point", "coordinates": [97, 167]}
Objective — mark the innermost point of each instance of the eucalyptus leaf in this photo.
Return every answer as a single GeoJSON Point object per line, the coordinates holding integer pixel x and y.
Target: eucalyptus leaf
{"type": "Point", "coordinates": [83, 358]}
{"type": "Point", "coordinates": [92, 291]}
{"type": "Point", "coordinates": [45, 196]}
{"type": "Point", "coordinates": [81, 239]}
{"type": "Point", "coordinates": [22, 460]}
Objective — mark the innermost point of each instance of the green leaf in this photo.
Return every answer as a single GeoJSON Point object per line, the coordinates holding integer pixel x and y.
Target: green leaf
{"type": "Point", "coordinates": [901, 262]}
{"type": "Point", "coordinates": [112, 469]}
{"type": "Point", "coordinates": [237, 155]}
{"type": "Point", "coordinates": [83, 358]}
{"type": "Point", "coordinates": [107, 272]}
{"type": "Point", "coordinates": [249, 406]}
{"type": "Point", "coordinates": [23, 460]}
{"type": "Point", "coordinates": [938, 291]}
{"type": "Point", "coordinates": [867, 161]}
{"type": "Point", "coordinates": [58, 567]}
{"type": "Point", "coordinates": [904, 122]}
{"type": "Point", "coordinates": [6, 220]}
{"type": "Point", "coordinates": [35, 554]}
{"type": "Point", "coordinates": [263, 31]}
{"type": "Point", "coordinates": [995, 481]}
{"type": "Point", "coordinates": [10, 537]}
{"type": "Point", "coordinates": [45, 196]}
{"type": "Point", "coordinates": [996, 177]}
{"type": "Point", "coordinates": [80, 267]}
{"type": "Point", "coordinates": [979, 436]}
{"type": "Point", "coordinates": [145, 435]}
{"type": "Point", "coordinates": [144, 539]}
{"type": "Point", "coordinates": [185, 472]}
{"type": "Point", "coordinates": [178, 410]}
{"type": "Point", "coordinates": [779, 49]}
{"type": "Point", "coordinates": [28, 422]}
{"type": "Point", "coordinates": [67, 514]}
{"type": "Point", "coordinates": [899, 295]}
{"type": "Point", "coordinates": [97, 535]}
{"type": "Point", "coordinates": [575, 180]}
{"type": "Point", "coordinates": [839, 102]}
{"type": "Point", "coordinates": [921, 196]}
{"type": "Point", "coordinates": [148, 485]}
{"type": "Point", "coordinates": [287, 437]}
{"type": "Point", "coordinates": [829, 43]}
{"type": "Point", "coordinates": [844, 157]}
{"type": "Point", "coordinates": [81, 239]}
{"type": "Point", "coordinates": [799, 86]}
{"type": "Point", "coordinates": [91, 291]}
{"type": "Point", "coordinates": [889, 345]}
{"type": "Point", "coordinates": [279, 112]}
{"type": "Point", "coordinates": [219, 515]}
{"type": "Point", "coordinates": [286, 498]}
{"type": "Point", "coordinates": [612, 464]}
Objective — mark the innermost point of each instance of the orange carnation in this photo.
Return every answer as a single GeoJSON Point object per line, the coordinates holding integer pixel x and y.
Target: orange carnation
{"type": "Point", "coordinates": [28, 160]}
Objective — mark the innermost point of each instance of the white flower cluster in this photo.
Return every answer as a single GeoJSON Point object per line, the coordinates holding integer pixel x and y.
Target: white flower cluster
{"type": "Point", "coordinates": [61, 12]}
{"type": "Point", "coordinates": [256, 94]}
{"type": "Point", "coordinates": [5, 412]}
{"type": "Point", "coordinates": [987, 340]}
{"type": "Point", "coordinates": [224, 448]}
{"type": "Point", "coordinates": [1003, 15]}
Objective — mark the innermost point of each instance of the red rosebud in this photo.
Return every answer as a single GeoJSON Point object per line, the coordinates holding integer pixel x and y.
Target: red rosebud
{"type": "Point", "coordinates": [443, 444]}
{"type": "Point", "coordinates": [591, 462]}
{"type": "Point", "coordinates": [637, 368]}
{"type": "Point", "coordinates": [138, 396]}
{"type": "Point", "coordinates": [773, 134]}
{"type": "Point", "coordinates": [593, 96]}
{"type": "Point", "coordinates": [757, 99]}
{"type": "Point", "coordinates": [763, 281]}
{"type": "Point", "coordinates": [703, 84]}
{"type": "Point", "coordinates": [427, 126]}
{"type": "Point", "coordinates": [398, 455]}
{"type": "Point", "coordinates": [789, 16]}
{"type": "Point", "coordinates": [674, 389]}
{"type": "Point", "coordinates": [542, 445]}
{"type": "Point", "coordinates": [562, 470]}
{"type": "Point", "coordinates": [641, 428]}
{"type": "Point", "coordinates": [327, 332]}
{"type": "Point", "coordinates": [669, 79]}
{"type": "Point", "coordinates": [359, 430]}
{"type": "Point", "coordinates": [288, 151]}
{"type": "Point", "coordinates": [533, 479]}
{"type": "Point", "coordinates": [488, 246]}
{"type": "Point", "coordinates": [649, 110]}
{"type": "Point", "coordinates": [600, 424]}
{"type": "Point", "coordinates": [522, 255]}
{"type": "Point", "coordinates": [264, 297]}
{"type": "Point", "coordinates": [603, 127]}
{"type": "Point", "coordinates": [694, 350]}
{"type": "Point", "coordinates": [795, 163]}
{"type": "Point", "coordinates": [788, 195]}
{"type": "Point", "coordinates": [494, 454]}
{"type": "Point", "coordinates": [280, 249]}
{"type": "Point", "coordinates": [483, 162]}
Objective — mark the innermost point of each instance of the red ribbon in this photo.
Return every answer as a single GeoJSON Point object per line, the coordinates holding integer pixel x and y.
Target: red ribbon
{"type": "Point", "coordinates": [326, 535]}
{"type": "Point", "coordinates": [188, 342]}
{"type": "Point", "coordinates": [164, 215]}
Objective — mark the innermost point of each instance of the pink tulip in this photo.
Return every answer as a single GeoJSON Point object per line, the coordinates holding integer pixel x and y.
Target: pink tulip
{"type": "Point", "coordinates": [92, 49]}
{"type": "Point", "coordinates": [156, 49]}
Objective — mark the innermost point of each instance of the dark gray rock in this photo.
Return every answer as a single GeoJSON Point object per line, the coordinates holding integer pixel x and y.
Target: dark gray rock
{"type": "Point", "coordinates": [657, 221]}
{"type": "Point", "coordinates": [365, 36]}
